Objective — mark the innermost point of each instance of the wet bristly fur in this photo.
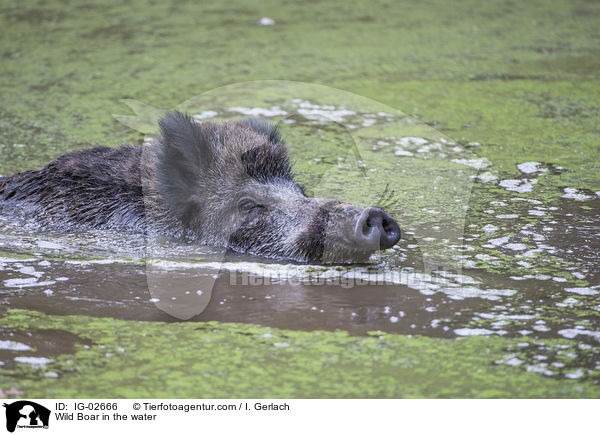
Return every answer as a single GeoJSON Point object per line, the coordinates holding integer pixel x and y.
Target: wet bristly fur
{"type": "Point", "coordinates": [191, 183]}
{"type": "Point", "coordinates": [96, 187]}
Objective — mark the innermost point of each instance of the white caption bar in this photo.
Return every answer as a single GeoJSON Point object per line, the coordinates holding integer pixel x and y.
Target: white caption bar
{"type": "Point", "coordinates": [264, 416]}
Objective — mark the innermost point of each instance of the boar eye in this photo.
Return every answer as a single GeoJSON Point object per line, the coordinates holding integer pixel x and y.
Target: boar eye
{"type": "Point", "coordinates": [247, 205]}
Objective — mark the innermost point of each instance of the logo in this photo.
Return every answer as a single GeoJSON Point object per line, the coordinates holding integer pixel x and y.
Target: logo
{"type": "Point", "coordinates": [26, 414]}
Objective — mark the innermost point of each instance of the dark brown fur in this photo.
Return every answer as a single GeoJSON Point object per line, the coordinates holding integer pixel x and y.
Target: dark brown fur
{"type": "Point", "coordinates": [227, 184]}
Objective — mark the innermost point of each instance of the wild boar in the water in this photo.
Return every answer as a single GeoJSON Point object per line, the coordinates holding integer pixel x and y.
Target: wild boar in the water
{"type": "Point", "coordinates": [227, 184]}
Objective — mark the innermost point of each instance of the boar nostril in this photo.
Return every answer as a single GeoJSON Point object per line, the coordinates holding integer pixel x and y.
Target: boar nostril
{"type": "Point", "coordinates": [375, 229]}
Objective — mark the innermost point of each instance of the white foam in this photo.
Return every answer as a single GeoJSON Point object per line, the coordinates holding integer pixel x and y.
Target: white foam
{"type": "Point", "coordinates": [486, 177]}
{"type": "Point", "coordinates": [537, 212]}
{"type": "Point", "coordinates": [584, 291]}
{"type": "Point", "coordinates": [499, 241]}
{"type": "Point", "coordinates": [576, 374]}
{"type": "Point", "coordinates": [479, 163]}
{"type": "Point", "coordinates": [404, 141]}
{"type": "Point", "coordinates": [48, 245]}
{"type": "Point", "coordinates": [571, 193]}
{"type": "Point", "coordinates": [259, 111]}
{"type": "Point", "coordinates": [265, 21]}
{"type": "Point", "coordinates": [326, 115]}
{"type": "Point", "coordinates": [520, 186]}
{"type": "Point", "coordinates": [516, 246]}
{"type": "Point", "coordinates": [205, 115]}
{"type": "Point", "coordinates": [33, 360]}
{"type": "Point", "coordinates": [529, 167]}
{"type": "Point", "coordinates": [26, 282]}
{"type": "Point", "coordinates": [403, 153]}
{"type": "Point", "coordinates": [13, 345]}
{"type": "Point", "coordinates": [572, 333]}
{"type": "Point", "coordinates": [29, 270]}
{"type": "Point", "coordinates": [472, 331]}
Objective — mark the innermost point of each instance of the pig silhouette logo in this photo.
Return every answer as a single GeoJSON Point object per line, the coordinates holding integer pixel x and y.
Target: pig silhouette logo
{"type": "Point", "coordinates": [26, 414]}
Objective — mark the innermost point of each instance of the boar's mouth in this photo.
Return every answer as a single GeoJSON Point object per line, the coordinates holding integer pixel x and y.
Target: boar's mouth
{"type": "Point", "coordinates": [312, 242]}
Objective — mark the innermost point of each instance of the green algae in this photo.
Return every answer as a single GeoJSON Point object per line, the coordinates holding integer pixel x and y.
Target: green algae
{"type": "Point", "coordinates": [515, 121]}
{"type": "Point", "coordinates": [501, 68]}
{"type": "Point", "coordinates": [135, 359]}
{"type": "Point", "coordinates": [520, 79]}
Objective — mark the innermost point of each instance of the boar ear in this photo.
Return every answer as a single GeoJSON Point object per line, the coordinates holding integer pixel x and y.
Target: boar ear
{"type": "Point", "coordinates": [265, 128]}
{"type": "Point", "coordinates": [186, 151]}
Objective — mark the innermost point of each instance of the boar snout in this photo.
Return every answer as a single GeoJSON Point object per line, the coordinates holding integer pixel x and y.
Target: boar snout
{"type": "Point", "coordinates": [375, 229]}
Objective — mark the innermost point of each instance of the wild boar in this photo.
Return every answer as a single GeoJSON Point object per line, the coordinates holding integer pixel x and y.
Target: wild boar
{"type": "Point", "coordinates": [227, 184]}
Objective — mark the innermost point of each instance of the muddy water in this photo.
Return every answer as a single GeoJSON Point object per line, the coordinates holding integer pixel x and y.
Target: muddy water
{"type": "Point", "coordinates": [105, 274]}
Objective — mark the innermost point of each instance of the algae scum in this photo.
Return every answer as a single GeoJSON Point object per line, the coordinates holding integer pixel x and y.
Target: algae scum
{"type": "Point", "coordinates": [493, 291]}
